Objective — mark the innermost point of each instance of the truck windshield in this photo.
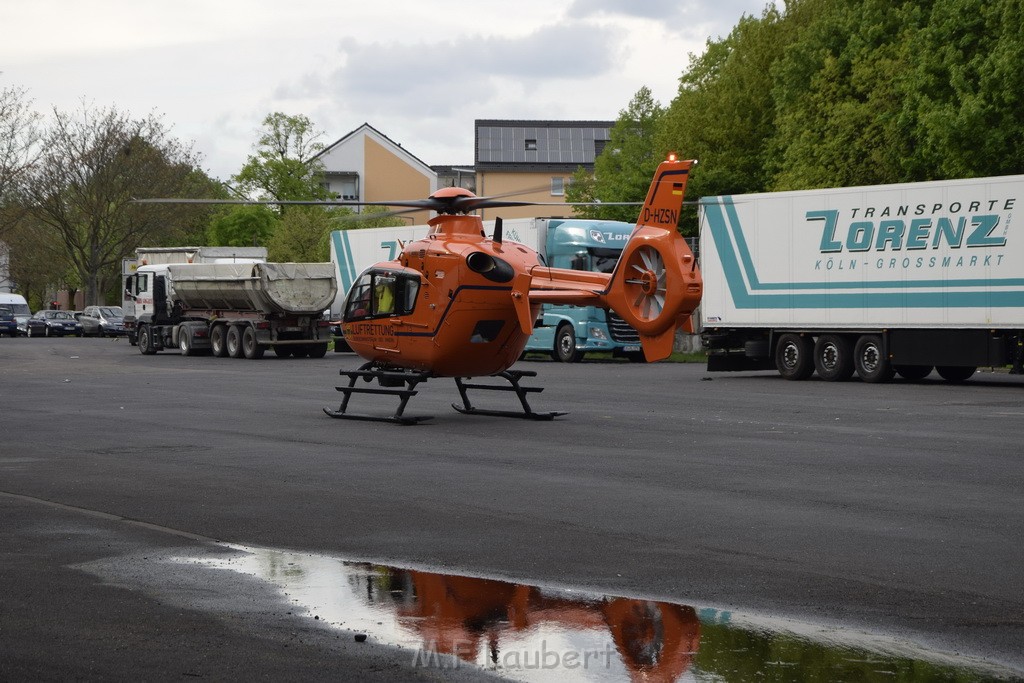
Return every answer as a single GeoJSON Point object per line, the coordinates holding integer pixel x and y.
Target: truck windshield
{"type": "Point", "coordinates": [603, 260]}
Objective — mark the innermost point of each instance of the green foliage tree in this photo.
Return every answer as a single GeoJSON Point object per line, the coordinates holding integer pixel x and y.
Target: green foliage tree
{"type": "Point", "coordinates": [824, 94]}
{"type": "Point", "coordinates": [622, 172]}
{"type": "Point", "coordinates": [302, 236]}
{"type": "Point", "coordinates": [247, 225]}
{"type": "Point", "coordinates": [284, 165]}
{"type": "Point", "coordinates": [38, 263]}
{"type": "Point", "coordinates": [964, 106]}
{"type": "Point", "coordinates": [723, 114]}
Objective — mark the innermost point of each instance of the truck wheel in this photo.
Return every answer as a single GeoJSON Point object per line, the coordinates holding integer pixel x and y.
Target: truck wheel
{"type": "Point", "coordinates": [870, 360]}
{"type": "Point", "coordinates": [146, 347]}
{"type": "Point", "coordinates": [250, 347]}
{"type": "Point", "coordinates": [794, 356]}
{"type": "Point", "coordinates": [218, 341]}
{"type": "Point", "coordinates": [283, 351]}
{"type": "Point", "coordinates": [565, 345]}
{"type": "Point", "coordinates": [234, 341]}
{"type": "Point", "coordinates": [833, 358]}
{"type": "Point", "coordinates": [317, 350]}
{"type": "Point", "coordinates": [185, 341]}
{"type": "Point", "coordinates": [955, 373]}
{"type": "Point", "coordinates": [913, 373]}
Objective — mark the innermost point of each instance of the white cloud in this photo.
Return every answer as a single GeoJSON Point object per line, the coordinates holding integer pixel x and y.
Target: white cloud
{"type": "Point", "coordinates": [420, 71]}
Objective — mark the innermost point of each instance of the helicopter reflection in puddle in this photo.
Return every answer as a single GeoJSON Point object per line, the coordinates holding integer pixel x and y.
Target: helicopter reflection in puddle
{"type": "Point", "coordinates": [538, 633]}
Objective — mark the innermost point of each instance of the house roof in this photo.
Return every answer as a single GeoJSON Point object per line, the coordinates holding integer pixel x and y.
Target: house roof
{"type": "Point", "coordinates": [376, 133]}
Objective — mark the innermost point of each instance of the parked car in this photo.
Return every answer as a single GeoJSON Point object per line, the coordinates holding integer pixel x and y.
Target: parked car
{"type": "Point", "coordinates": [53, 323]}
{"type": "Point", "coordinates": [102, 321]}
{"type": "Point", "coordinates": [22, 320]}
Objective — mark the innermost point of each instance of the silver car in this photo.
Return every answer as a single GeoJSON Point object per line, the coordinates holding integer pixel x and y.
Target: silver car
{"type": "Point", "coordinates": [102, 321]}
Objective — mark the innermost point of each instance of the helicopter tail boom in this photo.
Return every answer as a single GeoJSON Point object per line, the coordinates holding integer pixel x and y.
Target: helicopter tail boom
{"type": "Point", "coordinates": [655, 286]}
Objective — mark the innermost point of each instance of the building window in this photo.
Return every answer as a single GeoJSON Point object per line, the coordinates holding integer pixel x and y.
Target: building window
{"type": "Point", "coordinates": [531, 145]}
{"type": "Point", "coordinates": [557, 186]}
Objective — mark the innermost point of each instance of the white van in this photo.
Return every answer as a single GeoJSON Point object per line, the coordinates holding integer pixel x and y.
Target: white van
{"type": "Point", "coordinates": [13, 310]}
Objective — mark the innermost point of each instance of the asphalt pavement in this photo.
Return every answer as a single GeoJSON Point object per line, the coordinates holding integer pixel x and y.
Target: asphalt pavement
{"type": "Point", "coordinates": [895, 509]}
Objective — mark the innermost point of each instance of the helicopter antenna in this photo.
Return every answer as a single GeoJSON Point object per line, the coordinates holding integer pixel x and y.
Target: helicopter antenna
{"type": "Point", "coordinates": [496, 238]}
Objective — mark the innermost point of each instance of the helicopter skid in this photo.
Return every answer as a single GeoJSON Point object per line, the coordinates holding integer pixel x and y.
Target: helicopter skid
{"type": "Point", "coordinates": [391, 383]}
{"type": "Point", "coordinates": [394, 419]}
{"type": "Point", "coordinates": [513, 377]}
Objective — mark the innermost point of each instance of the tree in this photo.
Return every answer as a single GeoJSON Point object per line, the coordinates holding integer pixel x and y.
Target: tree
{"type": "Point", "coordinates": [302, 235]}
{"type": "Point", "coordinates": [243, 226]}
{"type": "Point", "coordinates": [622, 172]}
{"type": "Point", "coordinates": [38, 263]}
{"type": "Point", "coordinates": [723, 114]}
{"type": "Point", "coordinates": [284, 166]}
{"type": "Point", "coordinates": [19, 133]}
{"type": "Point", "coordinates": [964, 111]}
{"type": "Point", "coordinates": [92, 166]}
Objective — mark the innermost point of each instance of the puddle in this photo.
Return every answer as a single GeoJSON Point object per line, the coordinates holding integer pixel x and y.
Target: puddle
{"type": "Point", "coordinates": [532, 633]}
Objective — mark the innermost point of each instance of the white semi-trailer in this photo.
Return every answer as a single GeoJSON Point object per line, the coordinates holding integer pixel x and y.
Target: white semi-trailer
{"type": "Point", "coordinates": [233, 309]}
{"type": "Point", "coordinates": [873, 280]}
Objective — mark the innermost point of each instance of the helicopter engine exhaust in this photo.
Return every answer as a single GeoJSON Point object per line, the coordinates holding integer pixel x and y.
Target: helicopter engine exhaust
{"type": "Point", "coordinates": [491, 267]}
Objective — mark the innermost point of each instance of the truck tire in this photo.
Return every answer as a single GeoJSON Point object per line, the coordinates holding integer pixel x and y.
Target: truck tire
{"type": "Point", "coordinates": [234, 341]}
{"type": "Point", "coordinates": [283, 351]}
{"type": "Point", "coordinates": [870, 360]}
{"type": "Point", "coordinates": [317, 350]}
{"type": "Point", "coordinates": [251, 348]}
{"type": "Point", "coordinates": [146, 347]}
{"type": "Point", "coordinates": [565, 345]}
{"type": "Point", "coordinates": [913, 373]}
{"type": "Point", "coordinates": [833, 358]}
{"type": "Point", "coordinates": [955, 373]}
{"type": "Point", "coordinates": [185, 341]}
{"type": "Point", "coordinates": [218, 341]}
{"type": "Point", "coordinates": [794, 356]}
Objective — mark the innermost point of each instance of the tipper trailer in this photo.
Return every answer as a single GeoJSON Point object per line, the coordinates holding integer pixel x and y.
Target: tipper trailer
{"type": "Point", "coordinates": [879, 280]}
{"type": "Point", "coordinates": [234, 309]}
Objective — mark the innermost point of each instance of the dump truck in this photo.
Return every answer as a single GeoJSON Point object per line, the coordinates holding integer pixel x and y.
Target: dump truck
{"type": "Point", "coordinates": [145, 256]}
{"type": "Point", "coordinates": [233, 309]}
{"type": "Point", "coordinates": [878, 280]}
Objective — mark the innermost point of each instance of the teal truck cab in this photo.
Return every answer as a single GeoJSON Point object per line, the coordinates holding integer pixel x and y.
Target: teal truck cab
{"type": "Point", "coordinates": [570, 332]}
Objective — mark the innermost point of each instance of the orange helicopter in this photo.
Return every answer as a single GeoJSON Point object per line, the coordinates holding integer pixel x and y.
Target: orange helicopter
{"type": "Point", "coordinates": [459, 304]}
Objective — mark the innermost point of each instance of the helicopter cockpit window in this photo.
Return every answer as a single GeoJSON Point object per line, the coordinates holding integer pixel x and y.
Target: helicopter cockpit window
{"type": "Point", "coordinates": [382, 293]}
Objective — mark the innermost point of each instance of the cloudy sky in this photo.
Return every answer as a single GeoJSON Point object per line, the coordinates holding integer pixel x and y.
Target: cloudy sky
{"type": "Point", "coordinates": [420, 71]}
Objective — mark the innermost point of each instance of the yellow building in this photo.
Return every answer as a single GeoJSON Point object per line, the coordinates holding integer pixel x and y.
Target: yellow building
{"type": "Point", "coordinates": [534, 161]}
{"type": "Point", "coordinates": [366, 165]}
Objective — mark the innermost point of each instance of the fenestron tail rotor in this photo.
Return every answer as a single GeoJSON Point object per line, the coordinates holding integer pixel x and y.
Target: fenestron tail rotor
{"type": "Point", "coordinates": [646, 282]}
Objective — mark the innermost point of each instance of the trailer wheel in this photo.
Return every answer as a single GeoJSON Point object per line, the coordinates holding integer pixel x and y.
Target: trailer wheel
{"type": "Point", "coordinates": [250, 347]}
{"type": "Point", "coordinates": [913, 373]}
{"type": "Point", "coordinates": [218, 341]}
{"type": "Point", "coordinates": [565, 345]}
{"type": "Point", "coordinates": [283, 351]}
{"type": "Point", "coordinates": [146, 347]}
{"type": "Point", "coordinates": [870, 360]}
{"type": "Point", "coordinates": [833, 358]}
{"type": "Point", "coordinates": [317, 350]}
{"type": "Point", "coordinates": [234, 341]}
{"type": "Point", "coordinates": [955, 373]}
{"type": "Point", "coordinates": [794, 356]}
